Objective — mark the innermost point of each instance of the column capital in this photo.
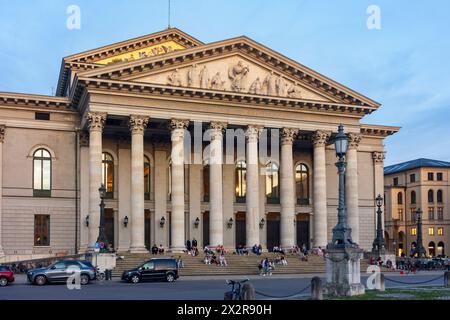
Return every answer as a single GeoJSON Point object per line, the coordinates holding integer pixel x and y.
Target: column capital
{"type": "Point", "coordinates": [320, 138]}
{"type": "Point", "coordinates": [252, 133]}
{"type": "Point", "coordinates": [138, 124]}
{"type": "Point", "coordinates": [378, 157]}
{"type": "Point", "coordinates": [2, 133]}
{"type": "Point", "coordinates": [178, 124]}
{"type": "Point", "coordinates": [216, 129]}
{"type": "Point", "coordinates": [353, 140]}
{"type": "Point", "coordinates": [288, 135]}
{"type": "Point", "coordinates": [96, 121]}
{"type": "Point", "coordinates": [84, 139]}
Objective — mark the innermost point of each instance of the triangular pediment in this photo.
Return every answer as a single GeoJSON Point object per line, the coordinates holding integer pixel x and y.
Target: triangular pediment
{"type": "Point", "coordinates": [237, 65]}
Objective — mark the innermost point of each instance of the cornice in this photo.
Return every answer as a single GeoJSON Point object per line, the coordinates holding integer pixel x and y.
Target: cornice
{"type": "Point", "coordinates": [32, 100]}
{"type": "Point", "coordinates": [146, 89]}
{"type": "Point", "coordinates": [378, 130]}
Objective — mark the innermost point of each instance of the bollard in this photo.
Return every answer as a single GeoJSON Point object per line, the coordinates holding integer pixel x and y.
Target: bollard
{"type": "Point", "coordinates": [381, 285]}
{"type": "Point", "coordinates": [316, 289]}
{"type": "Point", "coordinates": [248, 292]}
{"type": "Point", "coordinates": [447, 279]}
{"type": "Point", "coordinates": [108, 274]}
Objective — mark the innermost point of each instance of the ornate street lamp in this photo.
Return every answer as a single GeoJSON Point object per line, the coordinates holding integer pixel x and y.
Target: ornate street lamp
{"type": "Point", "coordinates": [420, 250]}
{"type": "Point", "coordinates": [341, 232]}
{"type": "Point", "coordinates": [101, 234]}
{"type": "Point", "coordinates": [379, 244]}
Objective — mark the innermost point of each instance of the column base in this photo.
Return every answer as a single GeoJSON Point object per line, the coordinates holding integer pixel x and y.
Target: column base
{"type": "Point", "coordinates": [138, 250]}
{"type": "Point", "coordinates": [177, 249]}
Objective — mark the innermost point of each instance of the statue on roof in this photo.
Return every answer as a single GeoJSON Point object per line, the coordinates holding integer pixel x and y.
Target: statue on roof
{"type": "Point", "coordinates": [294, 91]}
{"type": "Point", "coordinates": [255, 87]}
{"type": "Point", "coordinates": [216, 82]}
{"type": "Point", "coordinates": [270, 84]}
{"type": "Point", "coordinates": [204, 78]}
{"type": "Point", "coordinates": [192, 76]}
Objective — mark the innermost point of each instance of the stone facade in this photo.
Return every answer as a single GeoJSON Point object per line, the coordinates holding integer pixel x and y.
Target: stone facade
{"type": "Point", "coordinates": [128, 125]}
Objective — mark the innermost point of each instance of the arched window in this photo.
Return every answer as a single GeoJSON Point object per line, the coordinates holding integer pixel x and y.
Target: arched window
{"type": "Point", "coordinates": [147, 178]}
{"type": "Point", "coordinates": [42, 173]}
{"type": "Point", "coordinates": [439, 196]}
{"type": "Point", "coordinates": [413, 197]}
{"type": "Point", "coordinates": [302, 184]}
{"type": "Point", "coordinates": [108, 174]}
{"type": "Point", "coordinates": [206, 183]}
{"type": "Point", "coordinates": [272, 183]}
{"type": "Point", "coordinates": [241, 181]}
{"type": "Point", "coordinates": [430, 196]}
{"type": "Point", "coordinates": [399, 198]}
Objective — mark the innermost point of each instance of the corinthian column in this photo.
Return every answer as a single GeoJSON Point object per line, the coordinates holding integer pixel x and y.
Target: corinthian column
{"type": "Point", "coordinates": [351, 185]}
{"type": "Point", "coordinates": [177, 219]}
{"type": "Point", "coordinates": [287, 200]}
{"type": "Point", "coordinates": [320, 189]}
{"type": "Point", "coordinates": [252, 196]}
{"type": "Point", "coordinates": [2, 138]}
{"type": "Point", "coordinates": [96, 122]}
{"type": "Point", "coordinates": [137, 127]}
{"type": "Point", "coordinates": [215, 184]}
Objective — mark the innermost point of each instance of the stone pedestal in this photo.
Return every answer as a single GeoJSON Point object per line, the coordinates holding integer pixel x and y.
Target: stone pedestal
{"type": "Point", "coordinates": [343, 271]}
{"type": "Point", "coordinates": [104, 261]}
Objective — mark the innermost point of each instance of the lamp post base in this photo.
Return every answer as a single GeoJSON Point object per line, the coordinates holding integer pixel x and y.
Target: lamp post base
{"type": "Point", "coordinates": [343, 271]}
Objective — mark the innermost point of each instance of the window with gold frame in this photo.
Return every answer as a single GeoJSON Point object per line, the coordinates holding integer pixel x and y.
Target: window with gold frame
{"type": "Point", "coordinates": [108, 174]}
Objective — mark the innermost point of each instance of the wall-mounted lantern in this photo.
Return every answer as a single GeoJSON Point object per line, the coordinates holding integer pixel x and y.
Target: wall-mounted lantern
{"type": "Point", "coordinates": [196, 222]}
{"type": "Point", "coordinates": [125, 221]}
{"type": "Point", "coordinates": [230, 223]}
{"type": "Point", "coordinates": [162, 222]}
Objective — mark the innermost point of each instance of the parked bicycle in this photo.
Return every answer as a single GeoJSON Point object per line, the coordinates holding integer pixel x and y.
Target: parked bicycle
{"type": "Point", "coordinates": [99, 274]}
{"type": "Point", "coordinates": [236, 292]}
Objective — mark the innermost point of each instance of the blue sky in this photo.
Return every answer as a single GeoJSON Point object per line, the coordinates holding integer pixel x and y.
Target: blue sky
{"type": "Point", "coordinates": [404, 65]}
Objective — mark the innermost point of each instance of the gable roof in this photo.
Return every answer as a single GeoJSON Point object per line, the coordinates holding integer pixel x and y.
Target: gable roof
{"type": "Point", "coordinates": [88, 58]}
{"type": "Point", "coordinates": [414, 164]}
{"type": "Point", "coordinates": [243, 45]}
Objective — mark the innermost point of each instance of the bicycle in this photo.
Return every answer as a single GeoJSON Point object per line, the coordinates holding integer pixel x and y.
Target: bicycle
{"type": "Point", "coordinates": [236, 292]}
{"type": "Point", "coordinates": [99, 275]}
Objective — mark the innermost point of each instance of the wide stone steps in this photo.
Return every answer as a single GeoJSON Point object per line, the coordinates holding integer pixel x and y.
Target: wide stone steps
{"type": "Point", "coordinates": [237, 265]}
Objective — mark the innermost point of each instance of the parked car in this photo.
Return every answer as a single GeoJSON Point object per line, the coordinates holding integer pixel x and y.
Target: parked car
{"type": "Point", "coordinates": [60, 272]}
{"type": "Point", "coordinates": [6, 276]}
{"type": "Point", "coordinates": [153, 269]}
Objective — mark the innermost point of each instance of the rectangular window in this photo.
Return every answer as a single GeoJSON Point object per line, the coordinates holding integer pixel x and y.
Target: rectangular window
{"type": "Point", "coordinates": [42, 116]}
{"type": "Point", "coordinates": [431, 231]}
{"type": "Point", "coordinates": [439, 176]}
{"type": "Point", "coordinates": [430, 176]}
{"type": "Point", "coordinates": [41, 230]}
{"type": "Point", "coordinates": [413, 231]}
{"type": "Point", "coordinates": [412, 178]}
{"type": "Point", "coordinates": [440, 231]}
{"type": "Point", "coordinates": [431, 213]}
{"type": "Point", "coordinates": [440, 212]}
{"type": "Point", "coordinates": [395, 181]}
{"type": "Point", "coordinates": [400, 214]}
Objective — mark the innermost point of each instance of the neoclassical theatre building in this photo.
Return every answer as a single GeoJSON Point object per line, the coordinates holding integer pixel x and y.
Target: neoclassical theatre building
{"type": "Point", "coordinates": [151, 119]}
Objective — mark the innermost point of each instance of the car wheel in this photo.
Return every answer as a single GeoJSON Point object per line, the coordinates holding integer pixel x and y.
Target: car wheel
{"type": "Point", "coordinates": [84, 279]}
{"type": "Point", "coordinates": [135, 278]}
{"type": "Point", "coordinates": [40, 280]}
{"type": "Point", "coordinates": [3, 282]}
{"type": "Point", "coordinates": [170, 277]}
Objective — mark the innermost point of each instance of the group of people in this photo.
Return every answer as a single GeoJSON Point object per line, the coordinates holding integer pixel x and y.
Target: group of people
{"type": "Point", "coordinates": [191, 247]}
{"type": "Point", "coordinates": [241, 250]}
{"type": "Point", "coordinates": [266, 267]}
{"type": "Point", "coordinates": [257, 249]}
{"type": "Point", "coordinates": [211, 258]}
{"type": "Point", "coordinates": [156, 250]}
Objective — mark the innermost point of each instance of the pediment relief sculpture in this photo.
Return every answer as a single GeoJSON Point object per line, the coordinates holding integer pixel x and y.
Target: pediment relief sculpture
{"type": "Point", "coordinates": [233, 74]}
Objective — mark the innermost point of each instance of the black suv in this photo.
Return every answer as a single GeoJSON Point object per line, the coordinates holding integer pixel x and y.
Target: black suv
{"type": "Point", "coordinates": [153, 269]}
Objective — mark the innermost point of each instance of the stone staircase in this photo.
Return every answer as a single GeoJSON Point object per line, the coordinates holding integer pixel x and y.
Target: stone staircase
{"type": "Point", "coordinates": [237, 265]}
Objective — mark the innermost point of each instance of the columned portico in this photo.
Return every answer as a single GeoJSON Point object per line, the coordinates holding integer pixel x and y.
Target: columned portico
{"type": "Point", "coordinates": [137, 128]}
{"type": "Point", "coordinates": [2, 138]}
{"type": "Point", "coordinates": [96, 122]}
{"type": "Point", "coordinates": [287, 196]}
{"type": "Point", "coordinates": [215, 165]}
{"type": "Point", "coordinates": [177, 226]}
{"type": "Point", "coordinates": [351, 185]}
{"type": "Point", "coordinates": [252, 196]}
{"type": "Point", "coordinates": [320, 189]}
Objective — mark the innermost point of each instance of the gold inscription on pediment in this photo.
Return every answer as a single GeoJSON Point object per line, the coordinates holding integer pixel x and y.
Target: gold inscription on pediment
{"type": "Point", "coordinates": [158, 49]}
